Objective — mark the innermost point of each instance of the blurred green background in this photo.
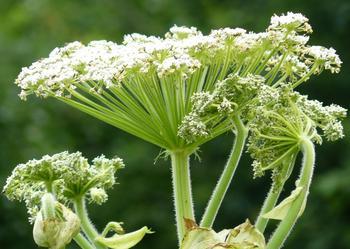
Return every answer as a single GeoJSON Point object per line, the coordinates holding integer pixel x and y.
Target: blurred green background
{"type": "Point", "coordinates": [30, 29]}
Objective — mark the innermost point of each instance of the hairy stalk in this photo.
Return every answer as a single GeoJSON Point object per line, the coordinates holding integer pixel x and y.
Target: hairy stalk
{"type": "Point", "coordinates": [182, 190]}
{"type": "Point", "coordinates": [48, 203]}
{"type": "Point", "coordinates": [87, 226]}
{"type": "Point", "coordinates": [83, 242]}
{"type": "Point", "coordinates": [226, 176]}
{"type": "Point", "coordinates": [304, 181]}
{"type": "Point", "coordinates": [273, 196]}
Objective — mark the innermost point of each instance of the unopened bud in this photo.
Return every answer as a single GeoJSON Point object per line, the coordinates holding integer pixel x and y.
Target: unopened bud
{"type": "Point", "coordinates": [55, 225]}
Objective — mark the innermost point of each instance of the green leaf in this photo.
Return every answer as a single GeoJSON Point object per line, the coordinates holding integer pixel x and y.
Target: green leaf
{"type": "Point", "coordinates": [281, 210]}
{"type": "Point", "coordinates": [122, 241]}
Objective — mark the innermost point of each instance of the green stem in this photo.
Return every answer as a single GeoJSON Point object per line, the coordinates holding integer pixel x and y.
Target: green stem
{"type": "Point", "coordinates": [48, 204]}
{"type": "Point", "coordinates": [273, 195]}
{"type": "Point", "coordinates": [226, 176]}
{"type": "Point", "coordinates": [88, 228]}
{"type": "Point", "coordinates": [182, 190]}
{"type": "Point", "coordinates": [82, 242]}
{"type": "Point", "coordinates": [286, 225]}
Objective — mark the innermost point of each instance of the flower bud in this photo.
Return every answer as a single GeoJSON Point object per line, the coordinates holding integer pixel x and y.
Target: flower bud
{"type": "Point", "coordinates": [55, 225]}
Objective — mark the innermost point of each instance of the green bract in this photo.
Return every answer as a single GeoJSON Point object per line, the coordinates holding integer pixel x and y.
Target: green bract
{"type": "Point", "coordinates": [244, 236]}
{"type": "Point", "coordinates": [54, 228]}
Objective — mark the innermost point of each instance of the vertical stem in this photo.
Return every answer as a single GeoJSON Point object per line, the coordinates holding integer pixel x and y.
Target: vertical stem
{"type": "Point", "coordinates": [182, 190]}
{"type": "Point", "coordinates": [286, 225]}
{"type": "Point", "coordinates": [226, 176]}
{"type": "Point", "coordinates": [82, 242]}
{"type": "Point", "coordinates": [48, 204]}
{"type": "Point", "coordinates": [86, 225]}
{"type": "Point", "coordinates": [273, 195]}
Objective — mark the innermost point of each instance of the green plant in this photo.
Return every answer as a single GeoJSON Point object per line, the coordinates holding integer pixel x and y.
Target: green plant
{"type": "Point", "coordinates": [187, 88]}
{"type": "Point", "coordinates": [52, 185]}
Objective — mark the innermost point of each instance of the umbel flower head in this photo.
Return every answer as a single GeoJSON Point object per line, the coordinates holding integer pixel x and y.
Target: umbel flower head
{"type": "Point", "coordinates": [280, 125]}
{"type": "Point", "coordinates": [66, 175]}
{"type": "Point", "coordinates": [144, 86]}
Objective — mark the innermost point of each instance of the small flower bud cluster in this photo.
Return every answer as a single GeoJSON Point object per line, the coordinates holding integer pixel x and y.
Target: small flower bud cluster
{"type": "Point", "coordinates": [229, 97]}
{"type": "Point", "coordinates": [278, 126]}
{"type": "Point", "coordinates": [67, 175]}
{"type": "Point", "coordinates": [327, 118]}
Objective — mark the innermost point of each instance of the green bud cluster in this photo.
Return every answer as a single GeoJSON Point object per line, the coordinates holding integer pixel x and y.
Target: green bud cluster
{"type": "Point", "coordinates": [67, 175]}
{"type": "Point", "coordinates": [230, 96]}
{"type": "Point", "coordinates": [279, 125]}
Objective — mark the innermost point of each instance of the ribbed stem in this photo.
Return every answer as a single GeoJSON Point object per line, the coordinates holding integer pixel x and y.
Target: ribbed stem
{"type": "Point", "coordinates": [86, 225]}
{"type": "Point", "coordinates": [48, 204]}
{"type": "Point", "coordinates": [182, 190]}
{"type": "Point", "coordinates": [286, 225]}
{"type": "Point", "coordinates": [226, 176]}
{"type": "Point", "coordinates": [82, 242]}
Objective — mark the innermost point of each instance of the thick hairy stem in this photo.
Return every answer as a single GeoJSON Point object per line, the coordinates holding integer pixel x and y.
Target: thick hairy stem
{"type": "Point", "coordinates": [83, 242]}
{"type": "Point", "coordinates": [273, 196]}
{"type": "Point", "coordinates": [86, 225]}
{"type": "Point", "coordinates": [304, 181]}
{"type": "Point", "coordinates": [226, 176]}
{"type": "Point", "coordinates": [182, 190]}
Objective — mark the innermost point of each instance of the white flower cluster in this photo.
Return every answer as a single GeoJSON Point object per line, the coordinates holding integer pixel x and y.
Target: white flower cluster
{"type": "Point", "coordinates": [181, 52]}
{"type": "Point", "coordinates": [326, 56]}
{"type": "Point", "coordinates": [290, 21]}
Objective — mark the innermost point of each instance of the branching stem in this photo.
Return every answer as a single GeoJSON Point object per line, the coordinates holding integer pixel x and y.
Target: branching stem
{"type": "Point", "coordinates": [83, 242]}
{"type": "Point", "coordinates": [286, 225]}
{"type": "Point", "coordinates": [226, 176]}
{"type": "Point", "coordinates": [87, 227]}
{"type": "Point", "coordinates": [273, 196]}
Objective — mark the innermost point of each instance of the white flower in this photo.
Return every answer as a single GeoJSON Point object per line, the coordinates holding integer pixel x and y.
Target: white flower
{"type": "Point", "coordinates": [184, 64]}
{"type": "Point", "coordinates": [290, 21]}
{"type": "Point", "coordinates": [327, 56]}
{"type": "Point", "coordinates": [182, 32]}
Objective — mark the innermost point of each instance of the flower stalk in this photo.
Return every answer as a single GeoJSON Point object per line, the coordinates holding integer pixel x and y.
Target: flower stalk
{"type": "Point", "coordinates": [304, 181]}
{"type": "Point", "coordinates": [182, 190]}
{"type": "Point", "coordinates": [273, 195]}
{"type": "Point", "coordinates": [82, 242]}
{"type": "Point", "coordinates": [88, 228]}
{"type": "Point", "coordinates": [227, 174]}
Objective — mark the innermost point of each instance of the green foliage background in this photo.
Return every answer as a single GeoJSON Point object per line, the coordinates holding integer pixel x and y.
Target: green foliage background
{"type": "Point", "coordinates": [30, 29]}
